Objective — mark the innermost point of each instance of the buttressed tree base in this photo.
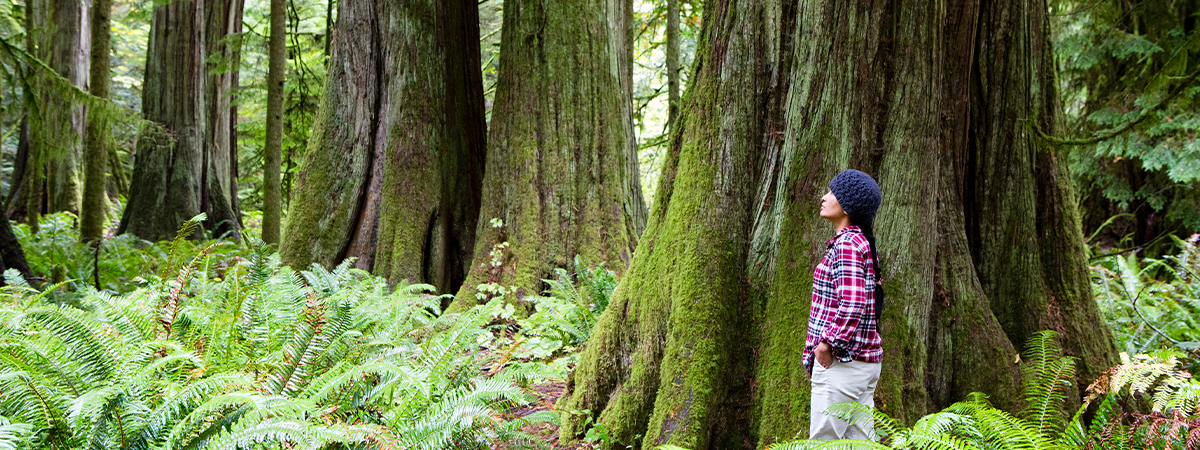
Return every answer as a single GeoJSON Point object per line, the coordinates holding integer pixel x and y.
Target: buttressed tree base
{"type": "Point", "coordinates": [978, 233]}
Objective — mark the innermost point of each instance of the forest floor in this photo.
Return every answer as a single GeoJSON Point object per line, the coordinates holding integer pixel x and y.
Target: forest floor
{"type": "Point", "coordinates": [547, 394]}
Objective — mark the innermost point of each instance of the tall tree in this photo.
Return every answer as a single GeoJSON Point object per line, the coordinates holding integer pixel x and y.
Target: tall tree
{"type": "Point", "coordinates": [396, 159]}
{"type": "Point", "coordinates": [186, 165]}
{"type": "Point", "coordinates": [979, 238]}
{"type": "Point", "coordinates": [58, 35]}
{"type": "Point", "coordinates": [94, 209]}
{"type": "Point", "coordinates": [562, 168]}
{"type": "Point", "coordinates": [673, 73]}
{"type": "Point", "coordinates": [277, 56]}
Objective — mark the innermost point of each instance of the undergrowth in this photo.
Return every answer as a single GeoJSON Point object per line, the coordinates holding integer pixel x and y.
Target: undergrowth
{"type": "Point", "coordinates": [1147, 402]}
{"type": "Point", "coordinates": [223, 351]}
{"type": "Point", "coordinates": [1152, 304]}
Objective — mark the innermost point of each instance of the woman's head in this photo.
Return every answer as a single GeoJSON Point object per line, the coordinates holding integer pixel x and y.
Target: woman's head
{"type": "Point", "coordinates": [854, 194]}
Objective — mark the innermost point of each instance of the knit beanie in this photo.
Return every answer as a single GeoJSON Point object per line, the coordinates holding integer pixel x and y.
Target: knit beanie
{"type": "Point", "coordinates": [858, 194]}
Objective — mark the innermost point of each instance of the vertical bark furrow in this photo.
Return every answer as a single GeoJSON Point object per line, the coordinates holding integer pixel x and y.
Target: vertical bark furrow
{"type": "Point", "coordinates": [1029, 252]}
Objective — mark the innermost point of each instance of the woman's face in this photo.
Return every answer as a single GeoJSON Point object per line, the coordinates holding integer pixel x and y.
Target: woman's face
{"type": "Point", "coordinates": [831, 209]}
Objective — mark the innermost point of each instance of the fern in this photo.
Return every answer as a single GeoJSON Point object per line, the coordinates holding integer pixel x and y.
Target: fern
{"type": "Point", "coordinates": [974, 423]}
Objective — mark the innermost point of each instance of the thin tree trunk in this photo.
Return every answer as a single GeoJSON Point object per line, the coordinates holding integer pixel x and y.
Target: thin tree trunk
{"type": "Point", "coordinates": [188, 164]}
{"type": "Point", "coordinates": [277, 48]}
{"type": "Point", "coordinates": [95, 184]}
{"type": "Point", "coordinates": [561, 172]}
{"type": "Point", "coordinates": [396, 163]}
{"type": "Point", "coordinates": [672, 64]}
{"type": "Point", "coordinates": [701, 345]}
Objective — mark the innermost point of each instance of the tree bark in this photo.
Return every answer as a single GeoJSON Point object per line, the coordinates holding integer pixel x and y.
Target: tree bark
{"type": "Point", "coordinates": [562, 170]}
{"type": "Point", "coordinates": [701, 345]}
{"type": "Point", "coordinates": [71, 59]}
{"type": "Point", "coordinates": [186, 165]}
{"type": "Point", "coordinates": [59, 36]}
{"type": "Point", "coordinates": [1024, 225]}
{"type": "Point", "coordinates": [396, 159]}
{"type": "Point", "coordinates": [223, 45]}
{"type": "Point", "coordinates": [11, 254]}
{"type": "Point", "coordinates": [277, 56]}
{"type": "Point", "coordinates": [672, 64]}
{"type": "Point", "coordinates": [94, 209]}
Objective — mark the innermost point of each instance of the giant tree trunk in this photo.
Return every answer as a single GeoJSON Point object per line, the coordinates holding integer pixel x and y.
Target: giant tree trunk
{"type": "Point", "coordinates": [223, 45]}
{"type": "Point", "coordinates": [562, 168]}
{"type": "Point", "coordinates": [396, 158]}
{"type": "Point", "coordinates": [701, 345]}
{"type": "Point", "coordinates": [185, 166]}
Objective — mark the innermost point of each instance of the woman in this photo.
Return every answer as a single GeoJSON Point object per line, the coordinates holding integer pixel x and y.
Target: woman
{"type": "Point", "coordinates": [843, 349]}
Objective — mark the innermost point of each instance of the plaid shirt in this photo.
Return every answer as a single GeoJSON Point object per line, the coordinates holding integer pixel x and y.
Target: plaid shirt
{"type": "Point", "coordinates": [843, 301]}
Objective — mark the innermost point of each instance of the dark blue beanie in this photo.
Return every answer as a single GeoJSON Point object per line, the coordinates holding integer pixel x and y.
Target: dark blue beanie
{"type": "Point", "coordinates": [858, 194]}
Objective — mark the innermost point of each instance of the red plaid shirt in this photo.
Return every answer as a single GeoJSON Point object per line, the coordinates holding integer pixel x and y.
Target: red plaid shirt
{"type": "Point", "coordinates": [843, 301]}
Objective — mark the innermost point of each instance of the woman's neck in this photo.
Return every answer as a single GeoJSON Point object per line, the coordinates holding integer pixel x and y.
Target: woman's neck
{"type": "Point", "coordinates": [840, 224]}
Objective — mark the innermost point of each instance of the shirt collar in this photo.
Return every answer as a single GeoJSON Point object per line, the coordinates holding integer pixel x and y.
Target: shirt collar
{"type": "Point", "coordinates": [849, 229]}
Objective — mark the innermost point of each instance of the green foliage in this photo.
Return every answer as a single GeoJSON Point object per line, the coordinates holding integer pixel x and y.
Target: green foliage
{"type": "Point", "coordinates": [307, 38]}
{"type": "Point", "coordinates": [1152, 304]}
{"type": "Point", "coordinates": [563, 320]}
{"type": "Point", "coordinates": [1129, 68]}
{"type": "Point", "coordinates": [650, 80]}
{"type": "Point", "coordinates": [126, 262]}
{"type": "Point", "coordinates": [258, 355]}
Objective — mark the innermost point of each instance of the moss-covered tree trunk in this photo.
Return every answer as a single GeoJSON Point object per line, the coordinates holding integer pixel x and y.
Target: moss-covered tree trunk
{"type": "Point", "coordinates": [562, 170]}
{"type": "Point", "coordinates": [60, 36]}
{"type": "Point", "coordinates": [701, 344]}
{"type": "Point", "coordinates": [396, 158]}
{"type": "Point", "coordinates": [186, 165]}
{"type": "Point", "coordinates": [1024, 224]}
{"type": "Point", "coordinates": [94, 207]}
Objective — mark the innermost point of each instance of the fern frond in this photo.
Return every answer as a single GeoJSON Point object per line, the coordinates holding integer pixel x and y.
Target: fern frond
{"type": "Point", "coordinates": [153, 432]}
{"type": "Point", "coordinates": [861, 415]}
{"type": "Point", "coordinates": [1046, 375]}
{"type": "Point", "coordinates": [89, 343]}
{"type": "Point", "coordinates": [12, 435]}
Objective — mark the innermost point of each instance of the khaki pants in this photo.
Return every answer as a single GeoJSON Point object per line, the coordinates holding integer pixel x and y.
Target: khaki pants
{"type": "Point", "coordinates": [840, 383]}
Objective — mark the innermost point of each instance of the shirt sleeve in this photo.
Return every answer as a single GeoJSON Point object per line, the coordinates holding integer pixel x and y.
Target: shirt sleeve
{"type": "Point", "coordinates": [849, 273]}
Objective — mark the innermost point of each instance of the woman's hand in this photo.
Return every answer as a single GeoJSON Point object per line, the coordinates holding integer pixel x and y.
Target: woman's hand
{"type": "Point", "coordinates": [824, 354]}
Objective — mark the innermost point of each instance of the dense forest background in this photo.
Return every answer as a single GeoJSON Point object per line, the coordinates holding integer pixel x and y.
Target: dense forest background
{"type": "Point", "coordinates": [609, 202]}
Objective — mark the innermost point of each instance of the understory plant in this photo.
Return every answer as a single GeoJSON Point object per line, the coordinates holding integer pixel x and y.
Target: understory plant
{"type": "Point", "coordinates": [125, 262]}
{"type": "Point", "coordinates": [564, 317]}
{"type": "Point", "coordinates": [1152, 304]}
{"type": "Point", "coordinates": [256, 356]}
{"type": "Point", "coordinates": [1147, 402]}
